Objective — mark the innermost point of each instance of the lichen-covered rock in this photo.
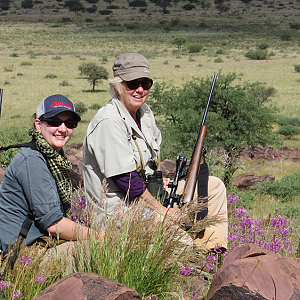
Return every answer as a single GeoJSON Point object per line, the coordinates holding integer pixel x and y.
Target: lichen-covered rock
{"type": "Point", "coordinates": [250, 272]}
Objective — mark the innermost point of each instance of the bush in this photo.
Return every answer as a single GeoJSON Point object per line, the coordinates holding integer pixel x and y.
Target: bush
{"type": "Point", "coordinates": [27, 4]}
{"type": "Point", "coordinates": [257, 55]}
{"type": "Point", "coordinates": [10, 136]}
{"type": "Point", "coordinates": [113, 7]}
{"type": "Point", "coordinates": [295, 26]}
{"type": "Point", "coordinates": [26, 63]}
{"type": "Point", "coordinates": [194, 47]}
{"type": "Point", "coordinates": [91, 9]}
{"type": "Point", "coordinates": [51, 76]}
{"type": "Point", "coordinates": [80, 107]}
{"type": "Point", "coordinates": [219, 60]}
{"type": "Point", "coordinates": [188, 6]}
{"type": "Point", "coordinates": [286, 36]}
{"type": "Point", "coordinates": [138, 3]}
{"type": "Point", "coordinates": [14, 55]}
{"type": "Point", "coordinates": [65, 83]}
{"type": "Point", "coordinates": [105, 12]}
{"type": "Point", "coordinates": [297, 68]}
{"type": "Point", "coordinates": [285, 189]}
{"type": "Point", "coordinates": [289, 131]}
{"type": "Point", "coordinates": [262, 45]}
{"type": "Point", "coordinates": [289, 121]}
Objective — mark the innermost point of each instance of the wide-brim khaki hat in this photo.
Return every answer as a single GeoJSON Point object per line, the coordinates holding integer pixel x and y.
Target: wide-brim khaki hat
{"type": "Point", "coordinates": [130, 66]}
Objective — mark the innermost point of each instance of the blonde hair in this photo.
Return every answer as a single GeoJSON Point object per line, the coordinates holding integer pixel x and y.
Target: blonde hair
{"type": "Point", "coordinates": [115, 85]}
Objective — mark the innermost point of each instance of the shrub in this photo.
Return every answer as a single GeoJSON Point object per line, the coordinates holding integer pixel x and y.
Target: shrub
{"type": "Point", "coordinates": [10, 136]}
{"type": "Point", "coordinates": [51, 76]}
{"type": "Point", "coordinates": [194, 47]}
{"type": "Point", "coordinates": [91, 9]}
{"type": "Point", "coordinates": [56, 57]}
{"type": "Point", "coordinates": [179, 41]}
{"type": "Point", "coordinates": [26, 63]}
{"type": "Point", "coordinates": [14, 55]}
{"type": "Point", "coordinates": [297, 68]}
{"type": "Point", "coordinates": [284, 189]}
{"type": "Point", "coordinates": [89, 20]}
{"type": "Point", "coordinates": [188, 6]}
{"type": "Point", "coordinates": [295, 26]}
{"type": "Point", "coordinates": [219, 51]}
{"type": "Point", "coordinates": [263, 45]}
{"type": "Point", "coordinates": [113, 7]}
{"type": "Point", "coordinates": [219, 60]}
{"type": "Point", "coordinates": [65, 20]}
{"type": "Point", "coordinates": [80, 107]}
{"type": "Point", "coordinates": [27, 4]}
{"type": "Point", "coordinates": [257, 55]}
{"type": "Point", "coordinates": [289, 131]}
{"type": "Point", "coordinates": [289, 121]}
{"type": "Point", "coordinates": [65, 83]}
{"type": "Point", "coordinates": [105, 12]}
{"type": "Point", "coordinates": [286, 36]}
{"type": "Point", "coordinates": [138, 3]}
{"type": "Point", "coordinates": [92, 1]}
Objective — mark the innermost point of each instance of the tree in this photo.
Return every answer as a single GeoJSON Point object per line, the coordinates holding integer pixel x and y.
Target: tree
{"type": "Point", "coordinates": [234, 119]}
{"type": "Point", "coordinates": [179, 41]}
{"type": "Point", "coordinates": [93, 72]}
{"type": "Point", "coordinates": [164, 4]}
{"type": "Point", "coordinates": [27, 4]}
{"type": "Point", "coordinates": [221, 6]}
{"type": "Point", "coordinates": [74, 5]}
{"type": "Point", "coordinates": [5, 4]}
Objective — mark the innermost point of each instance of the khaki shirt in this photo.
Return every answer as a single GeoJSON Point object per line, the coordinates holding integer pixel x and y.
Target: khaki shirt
{"type": "Point", "coordinates": [109, 150]}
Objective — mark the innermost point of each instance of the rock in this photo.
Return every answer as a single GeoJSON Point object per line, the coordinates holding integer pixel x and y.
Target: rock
{"type": "Point", "coordinates": [168, 168]}
{"type": "Point", "coordinates": [249, 179]}
{"type": "Point", "coordinates": [250, 272]}
{"type": "Point", "coordinates": [87, 286]}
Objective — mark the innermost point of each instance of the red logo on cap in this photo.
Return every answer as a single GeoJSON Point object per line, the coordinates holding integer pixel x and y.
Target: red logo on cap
{"type": "Point", "coordinates": [54, 104]}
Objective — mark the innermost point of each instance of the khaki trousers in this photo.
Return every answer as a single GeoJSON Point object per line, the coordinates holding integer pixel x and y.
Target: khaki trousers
{"type": "Point", "coordinates": [217, 205]}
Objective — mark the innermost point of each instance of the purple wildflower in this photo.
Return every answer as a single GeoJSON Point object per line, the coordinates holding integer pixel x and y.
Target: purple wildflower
{"type": "Point", "coordinates": [193, 296]}
{"type": "Point", "coordinates": [4, 285]}
{"type": "Point", "coordinates": [16, 295]}
{"type": "Point", "coordinates": [152, 297]}
{"type": "Point", "coordinates": [81, 203]}
{"type": "Point", "coordinates": [232, 198]}
{"type": "Point", "coordinates": [40, 279]}
{"type": "Point", "coordinates": [186, 271]}
{"type": "Point", "coordinates": [25, 261]}
{"type": "Point", "coordinates": [240, 211]}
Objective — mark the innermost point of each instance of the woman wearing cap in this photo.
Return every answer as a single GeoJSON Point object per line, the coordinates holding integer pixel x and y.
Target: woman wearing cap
{"type": "Point", "coordinates": [37, 180]}
{"type": "Point", "coordinates": [123, 141]}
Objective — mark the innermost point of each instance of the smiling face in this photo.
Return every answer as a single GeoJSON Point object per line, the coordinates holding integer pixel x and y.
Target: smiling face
{"type": "Point", "coordinates": [133, 99]}
{"type": "Point", "coordinates": [56, 137]}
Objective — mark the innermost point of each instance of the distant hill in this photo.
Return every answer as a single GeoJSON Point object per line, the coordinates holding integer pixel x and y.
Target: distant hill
{"type": "Point", "coordinates": [248, 16]}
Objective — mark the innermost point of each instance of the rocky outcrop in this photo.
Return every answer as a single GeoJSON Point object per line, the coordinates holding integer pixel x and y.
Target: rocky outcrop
{"type": "Point", "coordinates": [247, 180]}
{"type": "Point", "coordinates": [250, 272]}
{"type": "Point", "coordinates": [87, 286]}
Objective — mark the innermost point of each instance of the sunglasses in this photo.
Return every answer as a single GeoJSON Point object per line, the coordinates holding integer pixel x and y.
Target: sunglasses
{"type": "Point", "coordinates": [56, 122]}
{"type": "Point", "coordinates": [134, 84]}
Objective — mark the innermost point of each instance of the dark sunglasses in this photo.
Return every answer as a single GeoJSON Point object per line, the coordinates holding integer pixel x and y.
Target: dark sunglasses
{"type": "Point", "coordinates": [134, 84]}
{"type": "Point", "coordinates": [56, 122]}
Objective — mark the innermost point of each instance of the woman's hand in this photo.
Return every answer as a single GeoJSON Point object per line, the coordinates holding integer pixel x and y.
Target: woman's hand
{"type": "Point", "coordinates": [166, 181]}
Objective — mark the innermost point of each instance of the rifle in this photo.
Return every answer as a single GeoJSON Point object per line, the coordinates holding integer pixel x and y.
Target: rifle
{"type": "Point", "coordinates": [193, 168]}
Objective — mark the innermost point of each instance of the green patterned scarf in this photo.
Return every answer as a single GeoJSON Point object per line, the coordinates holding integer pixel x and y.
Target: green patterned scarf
{"type": "Point", "coordinates": [59, 166]}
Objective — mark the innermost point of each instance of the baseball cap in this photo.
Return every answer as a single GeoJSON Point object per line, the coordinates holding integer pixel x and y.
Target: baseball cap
{"type": "Point", "coordinates": [130, 66]}
{"type": "Point", "coordinates": [55, 104]}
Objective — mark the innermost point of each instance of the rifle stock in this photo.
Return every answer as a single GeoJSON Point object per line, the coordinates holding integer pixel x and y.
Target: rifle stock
{"type": "Point", "coordinates": [190, 184]}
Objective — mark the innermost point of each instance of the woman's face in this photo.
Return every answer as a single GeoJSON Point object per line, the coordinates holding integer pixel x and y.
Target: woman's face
{"type": "Point", "coordinates": [56, 137]}
{"type": "Point", "coordinates": [133, 98]}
